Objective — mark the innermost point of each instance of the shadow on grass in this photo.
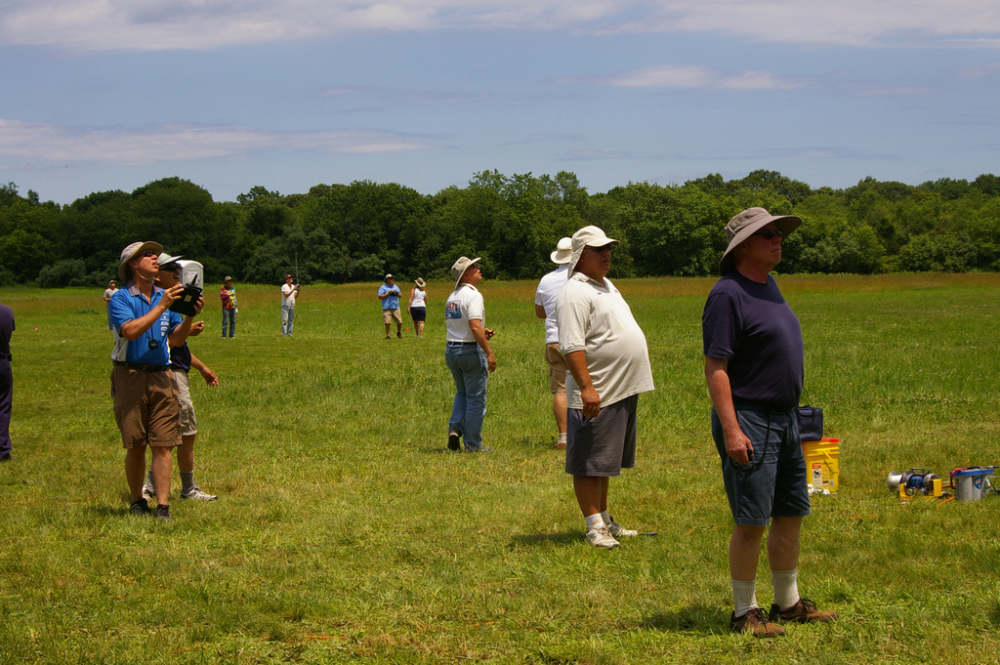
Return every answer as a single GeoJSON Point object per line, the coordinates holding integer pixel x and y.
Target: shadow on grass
{"type": "Point", "coordinates": [698, 619]}
{"type": "Point", "coordinates": [536, 539]}
{"type": "Point", "coordinates": [994, 615]}
{"type": "Point", "coordinates": [108, 511]}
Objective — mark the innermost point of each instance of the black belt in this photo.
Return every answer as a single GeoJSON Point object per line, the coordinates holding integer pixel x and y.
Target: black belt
{"type": "Point", "coordinates": [142, 368]}
{"type": "Point", "coordinates": [761, 405]}
{"type": "Point", "coordinates": [6, 356]}
{"type": "Point", "coordinates": [463, 344]}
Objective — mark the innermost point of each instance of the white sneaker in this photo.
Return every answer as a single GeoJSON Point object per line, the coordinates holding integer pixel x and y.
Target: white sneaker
{"type": "Point", "coordinates": [196, 494]}
{"type": "Point", "coordinates": [148, 492]}
{"type": "Point", "coordinates": [617, 530]}
{"type": "Point", "coordinates": [601, 537]}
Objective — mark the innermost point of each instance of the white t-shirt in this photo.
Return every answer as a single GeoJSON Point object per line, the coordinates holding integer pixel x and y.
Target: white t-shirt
{"type": "Point", "coordinates": [288, 295]}
{"type": "Point", "coordinates": [108, 292]}
{"type": "Point", "coordinates": [594, 318]}
{"type": "Point", "coordinates": [419, 298]}
{"type": "Point", "coordinates": [464, 304]}
{"type": "Point", "coordinates": [548, 291]}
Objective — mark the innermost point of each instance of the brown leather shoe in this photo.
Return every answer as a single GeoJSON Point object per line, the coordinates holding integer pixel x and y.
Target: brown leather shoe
{"type": "Point", "coordinates": [803, 611]}
{"type": "Point", "coordinates": [756, 623]}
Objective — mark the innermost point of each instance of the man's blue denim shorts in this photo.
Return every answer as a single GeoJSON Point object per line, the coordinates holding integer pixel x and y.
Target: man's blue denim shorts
{"type": "Point", "coordinates": [774, 484]}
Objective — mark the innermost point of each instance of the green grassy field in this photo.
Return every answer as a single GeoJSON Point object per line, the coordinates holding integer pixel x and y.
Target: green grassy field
{"type": "Point", "coordinates": [345, 531]}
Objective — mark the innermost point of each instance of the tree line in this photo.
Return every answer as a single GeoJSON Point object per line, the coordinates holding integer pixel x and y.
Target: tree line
{"type": "Point", "coordinates": [358, 232]}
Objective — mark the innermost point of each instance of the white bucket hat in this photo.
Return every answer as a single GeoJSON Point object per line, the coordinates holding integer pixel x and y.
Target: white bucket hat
{"type": "Point", "coordinates": [588, 236]}
{"type": "Point", "coordinates": [563, 253]}
{"type": "Point", "coordinates": [748, 222]}
{"type": "Point", "coordinates": [131, 252]}
{"type": "Point", "coordinates": [463, 264]}
{"type": "Point", "coordinates": [165, 259]}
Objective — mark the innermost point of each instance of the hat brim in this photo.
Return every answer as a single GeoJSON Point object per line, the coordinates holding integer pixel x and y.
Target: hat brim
{"type": "Point", "coordinates": [603, 242]}
{"type": "Point", "coordinates": [785, 223]}
{"type": "Point", "coordinates": [149, 245]}
{"type": "Point", "coordinates": [471, 263]}
{"type": "Point", "coordinates": [561, 257]}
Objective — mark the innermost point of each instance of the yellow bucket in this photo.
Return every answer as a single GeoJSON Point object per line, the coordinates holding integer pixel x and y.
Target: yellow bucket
{"type": "Point", "coordinates": [822, 465]}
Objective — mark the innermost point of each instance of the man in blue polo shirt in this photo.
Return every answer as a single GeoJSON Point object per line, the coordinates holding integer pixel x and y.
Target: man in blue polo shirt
{"type": "Point", "coordinates": [389, 294]}
{"type": "Point", "coordinates": [146, 406]}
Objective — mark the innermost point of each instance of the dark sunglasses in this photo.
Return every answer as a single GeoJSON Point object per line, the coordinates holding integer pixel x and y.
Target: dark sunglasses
{"type": "Point", "coordinates": [768, 234]}
{"type": "Point", "coordinates": [148, 254]}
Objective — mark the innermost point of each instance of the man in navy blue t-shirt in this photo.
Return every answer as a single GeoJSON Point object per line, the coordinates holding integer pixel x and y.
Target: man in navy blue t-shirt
{"type": "Point", "coordinates": [754, 367]}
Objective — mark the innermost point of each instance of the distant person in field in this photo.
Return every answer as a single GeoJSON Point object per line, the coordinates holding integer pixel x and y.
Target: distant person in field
{"type": "Point", "coordinates": [469, 357]}
{"type": "Point", "coordinates": [754, 367]}
{"type": "Point", "coordinates": [181, 362]}
{"type": "Point", "coordinates": [418, 306]}
{"type": "Point", "coordinates": [146, 406]}
{"type": "Point", "coordinates": [108, 292]}
{"type": "Point", "coordinates": [545, 308]}
{"type": "Point", "coordinates": [289, 294]}
{"type": "Point", "coordinates": [6, 381]}
{"type": "Point", "coordinates": [229, 307]}
{"type": "Point", "coordinates": [608, 360]}
{"type": "Point", "coordinates": [389, 294]}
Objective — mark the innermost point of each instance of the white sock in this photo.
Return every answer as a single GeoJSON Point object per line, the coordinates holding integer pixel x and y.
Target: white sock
{"type": "Point", "coordinates": [594, 521]}
{"type": "Point", "coordinates": [744, 596]}
{"type": "Point", "coordinates": [562, 438]}
{"type": "Point", "coordinates": [786, 587]}
{"type": "Point", "coordinates": [607, 518]}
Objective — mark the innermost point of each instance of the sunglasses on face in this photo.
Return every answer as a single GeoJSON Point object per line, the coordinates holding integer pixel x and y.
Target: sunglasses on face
{"type": "Point", "coordinates": [768, 234]}
{"type": "Point", "coordinates": [599, 249]}
{"type": "Point", "coordinates": [148, 254]}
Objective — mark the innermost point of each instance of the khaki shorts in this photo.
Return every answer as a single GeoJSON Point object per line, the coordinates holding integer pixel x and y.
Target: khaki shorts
{"type": "Point", "coordinates": [146, 407]}
{"type": "Point", "coordinates": [189, 426]}
{"type": "Point", "coordinates": [389, 314]}
{"type": "Point", "coordinates": [557, 368]}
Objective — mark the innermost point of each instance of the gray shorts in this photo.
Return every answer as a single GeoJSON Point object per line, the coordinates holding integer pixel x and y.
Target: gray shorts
{"type": "Point", "coordinates": [189, 426]}
{"type": "Point", "coordinates": [604, 445]}
{"type": "Point", "coordinates": [774, 483]}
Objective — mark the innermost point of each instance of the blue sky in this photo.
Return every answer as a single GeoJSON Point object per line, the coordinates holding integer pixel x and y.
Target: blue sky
{"type": "Point", "coordinates": [112, 94]}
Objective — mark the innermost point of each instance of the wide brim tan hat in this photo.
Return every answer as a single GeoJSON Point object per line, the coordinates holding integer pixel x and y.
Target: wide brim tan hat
{"type": "Point", "coordinates": [134, 250]}
{"type": "Point", "coordinates": [748, 222]}
{"type": "Point", "coordinates": [463, 264]}
{"type": "Point", "coordinates": [419, 281]}
{"type": "Point", "coordinates": [563, 253]}
{"type": "Point", "coordinates": [588, 236]}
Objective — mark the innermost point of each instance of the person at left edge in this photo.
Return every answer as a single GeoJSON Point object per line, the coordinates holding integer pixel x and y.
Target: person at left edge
{"type": "Point", "coordinates": [145, 395]}
{"type": "Point", "coordinates": [6, 380]}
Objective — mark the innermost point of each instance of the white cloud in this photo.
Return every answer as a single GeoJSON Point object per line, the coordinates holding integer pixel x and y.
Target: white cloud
{"type": "Point", "coordinates": [669, 76]}
{"type": "Point", "coordinates": [49, 143]}
{"type": "Point", "coordinates": [203, 24]}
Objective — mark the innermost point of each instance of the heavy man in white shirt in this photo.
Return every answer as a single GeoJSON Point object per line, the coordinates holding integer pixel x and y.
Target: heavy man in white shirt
{"type": "Point", "coordinates": [608, 361]}
{"type": "Point", "coordinates": [545, 308]}
{"type": "Point", "coordinates": [469, 356]}
{"type": "Point", "coordinates": [289, 293]}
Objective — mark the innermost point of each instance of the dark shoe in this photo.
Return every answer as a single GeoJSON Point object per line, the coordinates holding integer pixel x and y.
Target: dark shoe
{"type": "Point", "coordinates": [399, 335]}
{"type": "Point", "coordinates": [755, 623]}
{"type": "Point", "coordinates": [140, 507]}
{"type": "Point", "coordinates": [163, 513]}
{"type": "Point", "coordinates": [453, 436]}
{"type": "Point", "coordinates": [6, 458]}
{"type": "Point", "coordinates": [803, 611]}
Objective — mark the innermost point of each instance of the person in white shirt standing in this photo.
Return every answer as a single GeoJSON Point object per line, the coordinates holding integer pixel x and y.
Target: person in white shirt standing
{"type": "Point", "coordinates": [545, 308]}
{"type": "Point", "coordinates": [608, 360]}
{"type": "Point", "coordinates": [468, 355]}
{"type": "Point", "coordinates": [288, 296]}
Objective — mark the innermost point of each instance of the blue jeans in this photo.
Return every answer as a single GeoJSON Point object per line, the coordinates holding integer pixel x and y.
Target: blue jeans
{"type": "Point", "coordinates": [287, 319]}
{"type": "Point", "coordinates": [470, 370]}
{"type": "Point", "coordinates": [229, 316]}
